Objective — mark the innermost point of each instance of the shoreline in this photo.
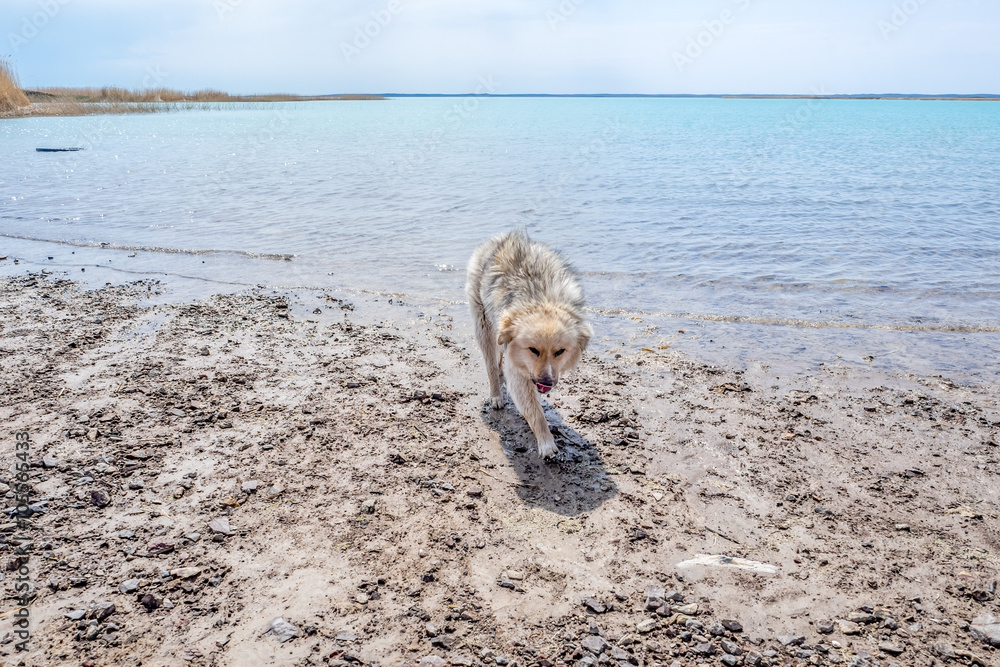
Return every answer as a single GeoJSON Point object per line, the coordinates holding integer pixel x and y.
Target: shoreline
{"type": "Point", "coordinates": [368, 494]}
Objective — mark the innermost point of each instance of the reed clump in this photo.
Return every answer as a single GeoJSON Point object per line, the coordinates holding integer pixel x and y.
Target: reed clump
{"type": "Point", "coordinates": [12, 98]}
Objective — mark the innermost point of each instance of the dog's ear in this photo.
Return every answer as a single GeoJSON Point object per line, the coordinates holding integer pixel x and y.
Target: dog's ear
{"type": "Point", "coordinates": [584, 333]}
{"type": "Point", "coordinates": [506, 330]}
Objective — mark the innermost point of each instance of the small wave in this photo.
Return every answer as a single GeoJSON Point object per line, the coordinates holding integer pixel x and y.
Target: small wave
{"type": "Point", "coordinates": [146, 248]}
{"type": "Point", "coordinates": [812, 324]}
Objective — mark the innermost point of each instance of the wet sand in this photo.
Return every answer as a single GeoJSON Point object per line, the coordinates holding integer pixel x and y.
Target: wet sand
{"type": "Point", "coordinates": [374, 504]}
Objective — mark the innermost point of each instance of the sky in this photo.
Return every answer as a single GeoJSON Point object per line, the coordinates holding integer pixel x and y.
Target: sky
{"type": "Point", "coordinates": [508, 46]}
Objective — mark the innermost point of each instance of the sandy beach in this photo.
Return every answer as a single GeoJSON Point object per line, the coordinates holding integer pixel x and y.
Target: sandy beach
{"type": "Point", "coordinates": [202, 469]}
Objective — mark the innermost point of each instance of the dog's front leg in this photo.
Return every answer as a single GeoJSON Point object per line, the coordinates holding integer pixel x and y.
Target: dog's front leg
{"type": "Point", "coordinates": [525, 396]}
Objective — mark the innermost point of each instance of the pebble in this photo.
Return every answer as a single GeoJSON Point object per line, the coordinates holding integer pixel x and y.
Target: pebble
{"type": "Point", "coordinates": [276, 490]}
{"type": "Point", "coordinates": [704, 649]}
{"type": "Point", "coordinates": [848, 627]}
{"type": "Point", "coordinates": [136, 485]}
{"type": "Point", "coordinates": [944, 650]}
{"type": "Point", "coordinates": [516, 575]}
{"type": "Point", "coordinates": [220, 525]}
{"type": "Point", "coordinates": [368, 507]}
{"type": "Point", "coordinates": [49, 462]}
{"type": "Point", "coordinates": [986, 629]}
{"type": "Point", "coordinates": [732, 626]}
{"type": "Point", "coordinates": [730, 660]}
{"type": "Point", "coordinates": [731, 648]}
{"type": "Point", "coordinates": [903, 526]}
{"type": "Point", "coordinates": [686, 609]}
{"type": "Point", "coordinates": [346, 637]}
{"type": "Point", "coordinates": [126, 534]}
{"type": "Point", "coordinates": [594, 644]}
{"type": "Point", "coordinates": [431, 630]}
{"type": "Point", "coordinates": [250, 487]}
{"type": "Point", "coordinates": [864, 618]}
{"type": "Point", "coordinates": [185, 572]}
{"type": "Point", "coordinates": [594, 605]}
{"type": "Point", "coordinates": [100, 498]}
{"type": "Point", "coordinates": [76, 614]}
{"type": "Point", "coordinates": [825, 627]}
{"type": "Point", "coordinates": [129, 586]}
{"type": "Point", "coordinates": [654, 598]}
{"type": "Point", "coordinates": [890, 648]}
{"type": "Point", "coordinates": [167, 604]}
{"type": "Point", "coordinates": [432, 661]}
{"type": "Point", "coordinates": [282, 630]}
{"type": "Point", "coordinates": [475, 492]}
{"type": "Point", "coordinates": [647, 625]}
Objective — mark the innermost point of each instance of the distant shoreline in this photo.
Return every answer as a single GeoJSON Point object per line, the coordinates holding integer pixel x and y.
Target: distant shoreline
{"type": "Point", "coordinates": [889, 96]}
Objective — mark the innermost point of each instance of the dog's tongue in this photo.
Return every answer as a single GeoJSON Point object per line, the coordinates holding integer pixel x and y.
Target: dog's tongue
{"type": "Point", "coordinates": [543, 387]}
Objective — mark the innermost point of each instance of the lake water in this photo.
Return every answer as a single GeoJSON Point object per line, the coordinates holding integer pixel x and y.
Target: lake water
{"type": "Point", "coordinates": [805, 215]}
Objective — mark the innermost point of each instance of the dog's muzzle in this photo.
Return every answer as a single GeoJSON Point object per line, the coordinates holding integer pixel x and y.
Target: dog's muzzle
{"type": "Point", "coordinates": [543, 388]}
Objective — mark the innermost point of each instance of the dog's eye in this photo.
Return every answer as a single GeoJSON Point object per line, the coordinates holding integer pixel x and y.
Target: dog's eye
{"type": "Point", "coordinates": [534, 351]}
{"type": "Point", "coordinates": [558, 352]}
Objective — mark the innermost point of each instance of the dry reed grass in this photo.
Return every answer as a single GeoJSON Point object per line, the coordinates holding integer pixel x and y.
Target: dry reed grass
{"type": "Point", "coordinates": [117, 100]}
{"type": "Point", "coordinates": [12, 97]}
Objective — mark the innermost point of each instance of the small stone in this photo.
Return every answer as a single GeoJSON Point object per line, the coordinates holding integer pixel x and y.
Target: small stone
{"type": "Point", "coordinates": [475, 492]}
{"type": "Point", "coordinates": [516, 575]}
{"type": "Point", "coordinates": [282, 630]}
{"type": "Point", "coordinates": [594, 644]}
{"type": "Point", "coordinates": [791, 640]}
{"type": "Point", "coordinates": [129, 586]}
{"type": "Point", "coordinates": [101, 610]}
{"type": "Point", "coordinates": [136, 485]}
{"type": "Point", "coordinates": [848, 627]}
{"type": "Point", "coordinates": [158, 547]}
{"type": "Point", "coordinates": [432, 661]}
{"type": "Point", "coordinates": [204, 351]}
{"type": "Point", "coordinates": [825, 627]}
{"type": "Point", "coordinates": [986, 629]}
{"type": "Point", "coordinates": [220, 525]}
{"type": "Point", "coordinates": [594, 605]}
{"type": "Point", "coordinates": [861, 617]}
{"type": "Point", "coordinates": [647, 625]}
{"type": "Point", "coordinates": [903, 527]}
{"type": "Point", "coordinates": [753, 659]}
{"type": "Point", "coordinates": [150, 602]}
{"type": "Point", "coordinates": [654, 598]}
{"type": "Point", "coordinates": [431, 630]}
{"type": "Point", "coordinates": [250, 487]}
{"type": "Point", "coordinates": [732, 626]}
{"type": "Point", "coordinates": [100, 498]}
{"type": "Point", "coordinates": [126, 534]}
{"type": "Point", "coordinates": [686, 609]}
{"type": "Point", "coordinates": [177, 412]}
{"type": "Point", "coordinates": [730, 660]}
{"type": "Point", "coordinates": [194, 537]}
{"type": "Point", "coordinates": [944, 650]}
{"type": "Point", "coordinates": [76, 614]}
{"type": "Point", "coordinates": [50, 462]}
{"type": "Point", "coordinates": [507, 583]}
{"type": "Point", "coordinates": [731, 648]}
{"type": "Point", "coordinates": [92, 434]}
{"type": "Point", "coordinates": [276, 490]}
{"type": "Point", "coordinates": [704, 649]}
{"type": "Point", "coordinates": [368, 507]}
{"type": "Point", "coordinates": [890, 648]}
{"type": "Point", "coordinates": [185, 572]}
{"type": "Point", "coordinates": [167, 604]}
{"type": "Point", "coordinates": [621, 655]}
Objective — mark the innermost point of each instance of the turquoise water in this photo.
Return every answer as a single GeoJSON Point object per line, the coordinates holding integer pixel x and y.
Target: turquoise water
{"type": "Point", "coordinates": [795, 212]}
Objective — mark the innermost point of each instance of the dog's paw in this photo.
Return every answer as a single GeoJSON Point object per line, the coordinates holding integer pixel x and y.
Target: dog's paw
{"type": "Point", "coordinates": [547, 448]}
{"type": "Point", "coordinates": [496, 402]}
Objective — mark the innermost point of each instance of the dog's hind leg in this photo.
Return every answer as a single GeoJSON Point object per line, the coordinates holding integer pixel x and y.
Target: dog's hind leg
{"type": "Point", "coordinates": [487, 339]}
{"type": "Point", "coordinates": [525, 396]}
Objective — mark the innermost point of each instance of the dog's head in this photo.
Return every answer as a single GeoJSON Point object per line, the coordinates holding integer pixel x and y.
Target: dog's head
{"type": "Point", "coordinates": [544, 342]}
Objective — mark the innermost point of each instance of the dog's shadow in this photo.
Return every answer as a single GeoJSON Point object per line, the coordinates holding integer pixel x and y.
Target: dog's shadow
{"type": "Point", "coordinates": [576, 481]}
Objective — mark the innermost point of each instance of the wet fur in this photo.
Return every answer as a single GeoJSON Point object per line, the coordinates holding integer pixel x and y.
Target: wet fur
{"type": "Point", "coordinates": [522, 296]}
